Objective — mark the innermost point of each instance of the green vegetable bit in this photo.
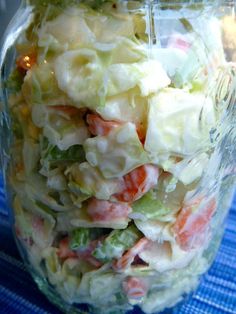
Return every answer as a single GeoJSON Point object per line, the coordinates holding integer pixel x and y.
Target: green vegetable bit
{"type": "Point", "coordinates": [150, 207]}
{"type": "Point", "coordinates": [15, 81]}
{"type": "Point", "coordinates": [117, 243]}
{"type": "Point", "coordinates": [74, 153]}
{"type": "Point", "coordinates": [53, 154]}
{"type": "Point", "coordinates": [81, 237]}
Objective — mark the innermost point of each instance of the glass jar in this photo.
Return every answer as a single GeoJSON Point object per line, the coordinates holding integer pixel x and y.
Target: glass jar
{"type": "Point", "coordinates": [117, 140]}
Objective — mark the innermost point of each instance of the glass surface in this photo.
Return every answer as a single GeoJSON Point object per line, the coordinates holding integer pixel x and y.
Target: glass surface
{"type": "Point", "coordinates": [118, 146]}
{"type": "Point", "coordinates": [7, 10]}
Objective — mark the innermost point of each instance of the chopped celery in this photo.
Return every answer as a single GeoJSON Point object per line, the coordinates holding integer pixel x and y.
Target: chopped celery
{"type": "Point", "coordinates": [117, 243]}
{"type": "Point", "coordinates": [150, 207]}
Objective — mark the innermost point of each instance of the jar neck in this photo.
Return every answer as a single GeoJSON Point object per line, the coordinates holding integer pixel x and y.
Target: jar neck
{"type": "Point", "coordinates": [162, 3]}
{"type": "Point", "coordinates": [218, 7]}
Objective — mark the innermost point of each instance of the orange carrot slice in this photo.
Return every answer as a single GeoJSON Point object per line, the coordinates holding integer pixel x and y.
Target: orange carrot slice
{"type": "Point", "coordinates": [134, 287]}
{"type": "Point", "coordinates": [138, 182]}
{"type": "Point", "coordinates": [127, 259]}
{"type": "Point", "coordinates": [100, 210]}
{"type": "Point", "coordinates": [193, 222]}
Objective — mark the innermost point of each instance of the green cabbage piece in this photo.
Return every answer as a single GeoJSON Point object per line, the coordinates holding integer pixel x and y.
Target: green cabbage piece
{"type": "Point", "coordinates": [40, 87]}
{"type": "Point", "coordinates": [85, 76]}
{"type": "Point", "coordinates": [126, 107]}
{"type": "Point", "coordinates": [67, 31]}
{"type": "Point", "coordinates": [125, 50]}
{"type": "Point", "coordinates": [188, 169]}
{"type": "Point", "coordinates": [65, 276]}
{"type": "Point", "coordinates": [117, 153]}
{"type": "Point", "coordinates": [82, 27]}
{"type": "Point", "coordinates": [80, 238]}
{"type": "Point", "coordinates": [102, 288]}
{"type": "Point", "coordinates": [163, 202]}
{"type": "Point", "coordinates": [174, 284]}
{"type": "Point", "coordinates": [123, 77]}
{"type": "Point", "coordinates": [149, 207]}
{"type": "Point", "coordinates": [107, 25]}
{"type": "Point", "coordinates": [74, 153]}
{"type": "Point", "coordinates": [117, 243]}
{"type": "Point", "coordinates": [59, 127]}
{"type": "Point", "coordinates": [79, 74]}
{"type": "Point", "coordinates": [31, 203]}
{"type": "Point", "coordinates": [77, 194]}
{"type": "Point", "coordinates": [51, 155]}
{"type": "Point", "coordinates": [157, 301]}
{"type": "Point", "coordinates": [155, 230]}
{"type": "Point", "coordinates": [15, 81]}
{"type": "Point", "coordinates": [179, 123]}
{"type": "Point", "coordinates": [36, 189]}
{"type": "Point", "coordinates": [90, 181]}
{"type": "Point", "coordinates": [45, 208]}
{"type": "Point", "coordinates": [26, 219]}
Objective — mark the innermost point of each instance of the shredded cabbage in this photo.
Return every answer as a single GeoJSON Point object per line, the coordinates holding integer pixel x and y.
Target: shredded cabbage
{"type": "Point", "coordinates": [40, 87]}
{"type": "Point", "coordinates": [155, 230]}
{"type": "Point", "coordinates": [91, 182]}
{"type": "Point", "coordinates": [51, 155]}
{"type": "Point", "coordinates": [80, 238]}
{"type": "Point", "coordinates": [60, 129]}
{"type": "Point", "coordinates": [117, 153]}
{"type": "Point", "coordinates": [166, 256]}
{"type": "Point", "coordinates": [69, 30]}
{"type": "Point", "coordinates": [179, 123]}
{"type": "Point", "coordinates": [127, 107]}
{"type": "Point", "coordinates": [34, 224]}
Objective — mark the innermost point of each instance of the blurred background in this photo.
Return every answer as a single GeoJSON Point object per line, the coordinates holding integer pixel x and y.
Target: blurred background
{"type": "Point", "coordinates": [7, 10]}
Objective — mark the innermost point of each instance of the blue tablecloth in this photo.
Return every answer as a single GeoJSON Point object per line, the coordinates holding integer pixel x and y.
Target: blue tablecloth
{"type": "Point", "coordinates": [19, 294]}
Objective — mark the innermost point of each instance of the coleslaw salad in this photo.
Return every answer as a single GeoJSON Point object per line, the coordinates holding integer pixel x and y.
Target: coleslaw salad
{"type": "Point", "coordinates": [110, 143]}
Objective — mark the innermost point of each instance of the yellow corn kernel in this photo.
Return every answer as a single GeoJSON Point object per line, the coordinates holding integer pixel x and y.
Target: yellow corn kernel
{"type": "Point", "coordinates": [25, 111]}
{"type": "Point", "coordinates": [33, 131]}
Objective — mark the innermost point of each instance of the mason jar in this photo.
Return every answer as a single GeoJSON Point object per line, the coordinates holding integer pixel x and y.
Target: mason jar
{"type": "Point", "coordinates": [118, 147]}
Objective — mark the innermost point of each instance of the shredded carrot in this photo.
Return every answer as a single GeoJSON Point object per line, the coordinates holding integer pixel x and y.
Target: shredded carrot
{"type": "Point", "coordinates": [127, 259]}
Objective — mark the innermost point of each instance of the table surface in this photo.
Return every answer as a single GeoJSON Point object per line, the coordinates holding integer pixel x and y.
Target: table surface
{"type": "Point", "coordinates": [19, 294]}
